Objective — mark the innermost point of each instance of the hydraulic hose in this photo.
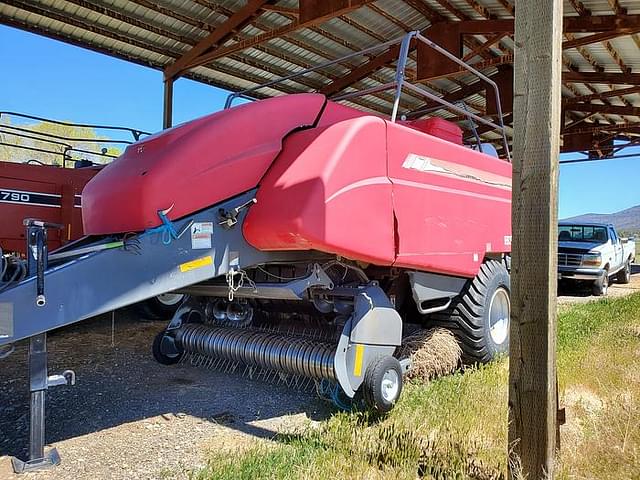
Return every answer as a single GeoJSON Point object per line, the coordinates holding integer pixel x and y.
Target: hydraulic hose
{"type": "Point", "coordinates": [12, 270]}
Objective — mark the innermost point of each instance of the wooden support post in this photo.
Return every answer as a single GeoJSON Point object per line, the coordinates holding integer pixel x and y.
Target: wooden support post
{"type": "Point", "coordinates": [537, 107]}
{"type": "Point", "coordinates": [167, 114]}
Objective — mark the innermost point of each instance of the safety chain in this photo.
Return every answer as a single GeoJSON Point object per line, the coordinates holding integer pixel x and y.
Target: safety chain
{"type": "Point", "coordinates": [233, 286]}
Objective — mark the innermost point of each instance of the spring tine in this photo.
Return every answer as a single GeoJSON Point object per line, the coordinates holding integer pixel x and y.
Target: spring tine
{"type": "Point", "coordinates": [260, 350]}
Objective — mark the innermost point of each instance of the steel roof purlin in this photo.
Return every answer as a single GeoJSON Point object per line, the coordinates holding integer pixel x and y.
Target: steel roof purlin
{"type": "Point", "coordinates": [237, 44]}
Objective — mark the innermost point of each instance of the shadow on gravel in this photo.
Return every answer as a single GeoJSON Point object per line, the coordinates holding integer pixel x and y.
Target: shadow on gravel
{"type": "Point", "coordinates": [122, 383]}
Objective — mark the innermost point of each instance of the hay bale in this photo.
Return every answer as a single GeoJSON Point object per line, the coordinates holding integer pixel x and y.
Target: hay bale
{"type": "Point", "coordinates": [433, 353]}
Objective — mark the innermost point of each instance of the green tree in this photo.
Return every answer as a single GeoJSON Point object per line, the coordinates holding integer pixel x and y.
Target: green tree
{"type": "Point", "coordinates": [53, 144]}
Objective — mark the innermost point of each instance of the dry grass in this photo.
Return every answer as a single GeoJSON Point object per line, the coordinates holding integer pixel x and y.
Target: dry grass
{"type": "Point", "coordinates": [433, 353]}
{"type": "Point", "coordinates": [455, 427]}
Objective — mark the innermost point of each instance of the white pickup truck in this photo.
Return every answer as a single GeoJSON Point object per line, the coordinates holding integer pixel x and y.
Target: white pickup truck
{"type": "Point", "coordinates": [594, 252]}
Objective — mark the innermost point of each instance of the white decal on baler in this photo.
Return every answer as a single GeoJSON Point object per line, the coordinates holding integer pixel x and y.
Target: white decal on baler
{"type": "Point", "coordinates": [423, 164]}
{"type": "Point", "coordinates": [438, 166]}
{"type": "Point", "coordinates": [201, 235]}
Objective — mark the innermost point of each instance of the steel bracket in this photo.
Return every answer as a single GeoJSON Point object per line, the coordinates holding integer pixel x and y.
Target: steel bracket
{"type": "Point", "coordinates": [49, 459]}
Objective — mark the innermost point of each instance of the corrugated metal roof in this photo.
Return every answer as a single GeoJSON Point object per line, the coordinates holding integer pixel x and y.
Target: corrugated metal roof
{"type": "Point", "coordinates": [157, 32]}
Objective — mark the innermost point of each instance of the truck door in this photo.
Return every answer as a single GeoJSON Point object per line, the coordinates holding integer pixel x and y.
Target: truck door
{"type": "Point", "coordinates": [617, 248]}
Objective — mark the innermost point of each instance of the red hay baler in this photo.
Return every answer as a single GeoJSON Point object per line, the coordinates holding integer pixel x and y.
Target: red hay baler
{"type": "Point", "coordinates": [307, 236]}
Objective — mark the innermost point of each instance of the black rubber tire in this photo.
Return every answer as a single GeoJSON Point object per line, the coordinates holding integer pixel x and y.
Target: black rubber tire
{"type": "Point", "coordinates": [624, 275]}
{"type": "Point", "coordinates": [374, 399]}
{"type": "Point", "coordinates": [161, 357]}
{"type": "Point", "coordinates": [468, 315]}
{"type": "Point", "coordinates": [601, 286]}
{"type": "Point", "coordinates": [154, 309]}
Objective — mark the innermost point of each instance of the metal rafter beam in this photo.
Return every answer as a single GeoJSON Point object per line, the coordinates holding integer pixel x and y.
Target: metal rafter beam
{"type": "Point", "coordinates": [481, 9]}
{"type": "Point", "coordinates": [603, 109]}
{"type": "Point", "coordinates": [167, 12]}
{"type": "Point", "coordinates": [117, 15]}
{"type": "Point", "coordinates": [481, 65]}
{"type": "Point", "coordinates": [576, 24]}
{"type": "Point", "coordinates": [602, 77]}
{"type": "Point", "coordinates": [616, 57]}
{"type": "Point", "coordinates": [507, 6]}
{"type": "Point", "coordinates": [598, 37]}
{"type": "Point", "coordinates": [386, 58]}
{"type": "Point", "coordinates": [451, 9]}
{"type": "Point", "coordinates": [283, 10]}
{"type": "Point", "coordinates": [584, 53]}
{"type": "Point", "coordinates": [600, 95]}
{"type": "Point", "coordinates": [485, 46]}
{"type": "Point", "coordinates": [585, 12]}
{"type": "Point", "coordinates": [234, 23]}
{"type": "Point", "coordinates": [579, 7]}
{"type": "Point", "coordinates": [424, 9]}
{"type": "Point", "coordinates": [619, 128]}
{"type": "Point", "coordinates": [63, 17]}
{"type": "Point", "coordinates": [275, 33]}
{"type": "Point", "coordinates": [453, 97]}
{"type": "Point", "coordinates": [617, 9]}
{"type": "Point", "coordinates": [569, 127]}
{"type": "Point", "coordinates": [275, 52]}
{"type": "Point", "coordinates": [358, 73]}
{"type": "Point", "coordinates": [389, 17]}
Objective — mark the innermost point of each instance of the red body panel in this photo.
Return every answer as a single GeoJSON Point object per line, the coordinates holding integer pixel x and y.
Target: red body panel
{"type": "Point", "coordinates": [337, 189]}
{"type": "Point", "coordinates": [438, 127]}
{"type": "Point", "coordinates": [349, 183]}
{"type": "Point", "coordinates": [452, 204]}
{"type": "Point", "coordinates": [43, 192]}
{"type": "Point", "coordinates": [194, 165]}
{"type": "Point", "coordinates": [328, 191]}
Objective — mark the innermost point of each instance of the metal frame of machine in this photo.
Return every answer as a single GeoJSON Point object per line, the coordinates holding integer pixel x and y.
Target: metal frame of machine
{"type": "Point", "coordinates": [229, 282]}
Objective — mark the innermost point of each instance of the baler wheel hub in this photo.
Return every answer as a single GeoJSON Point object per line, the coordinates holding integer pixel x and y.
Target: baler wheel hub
{"type": "Point", "coordinates": [390, 385]}
{"type": "Point", "coordinates": [499, 311]}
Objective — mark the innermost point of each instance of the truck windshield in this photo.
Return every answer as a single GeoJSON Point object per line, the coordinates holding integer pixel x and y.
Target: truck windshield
{"type": "Point", "coordinates": [582, 233]}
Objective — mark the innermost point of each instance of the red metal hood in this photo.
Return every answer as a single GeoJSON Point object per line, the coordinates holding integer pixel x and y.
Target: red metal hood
{"type": "Point", "coordinates": [193, 165]}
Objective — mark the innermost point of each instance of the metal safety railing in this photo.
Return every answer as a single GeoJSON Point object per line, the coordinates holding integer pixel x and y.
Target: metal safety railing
{"type": "Point", "coordinates": [399, 84]}
{"type": "Point", "coordinates": [60, 145]}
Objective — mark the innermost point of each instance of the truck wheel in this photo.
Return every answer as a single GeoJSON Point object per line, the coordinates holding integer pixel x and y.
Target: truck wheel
{"type": "Point", "coordinates": [382, 384]}
{"type": "Point", "coordinates": [479, 316]}
{"type": "Point", "coordinates": [624, 275]}
{"type": "Point", "coordinates": [161, 307]}
{"type": "Point", "coordinates": [601, 286]}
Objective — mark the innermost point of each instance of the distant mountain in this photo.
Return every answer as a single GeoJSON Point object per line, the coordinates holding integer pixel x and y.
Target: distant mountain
{"type": "Point", "coordinates": [626, 220]}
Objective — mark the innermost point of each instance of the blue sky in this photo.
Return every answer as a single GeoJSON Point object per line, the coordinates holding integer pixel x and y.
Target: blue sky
{"type": "Point", "coordinates": [51, 79]}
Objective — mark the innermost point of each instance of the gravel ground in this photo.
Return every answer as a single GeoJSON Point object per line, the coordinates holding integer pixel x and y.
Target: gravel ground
{"type": "Point", "coordinates": [575, 293]}
{"type": "Point", "coordinates": [129, 417]}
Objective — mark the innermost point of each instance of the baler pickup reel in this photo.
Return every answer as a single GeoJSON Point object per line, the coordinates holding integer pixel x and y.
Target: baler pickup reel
{"type": "Point", "coordinates": [368, 326]}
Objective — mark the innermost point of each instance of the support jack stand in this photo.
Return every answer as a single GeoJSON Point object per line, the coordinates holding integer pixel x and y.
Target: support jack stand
{"type": "Point", "coordinates": [39, 379]}
{"type": "Point", "coordinates": [39, 383]}
{"type": "Point", "coordinates": [48, 460]}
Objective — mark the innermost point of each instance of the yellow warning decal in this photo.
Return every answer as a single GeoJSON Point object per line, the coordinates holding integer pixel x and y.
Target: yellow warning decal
{"type": "Point", "coordinates": [197, 263]}
{"type": "Point", "coordinates": [357, 367]}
